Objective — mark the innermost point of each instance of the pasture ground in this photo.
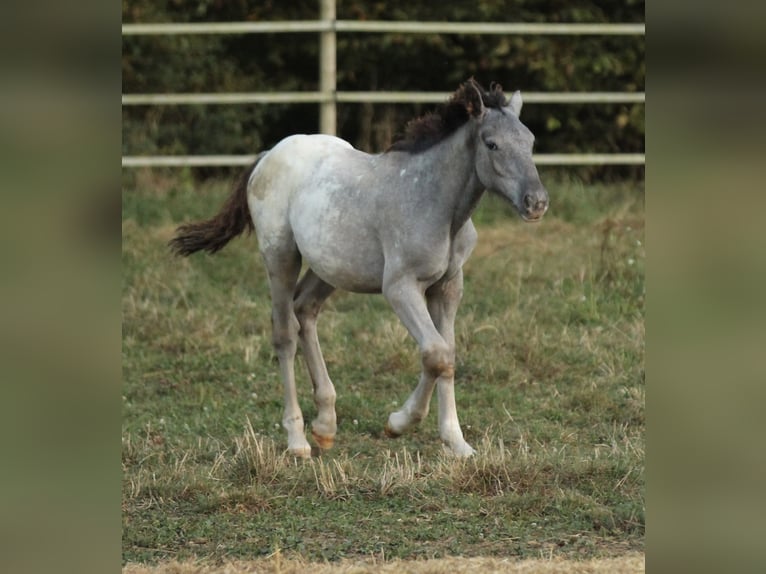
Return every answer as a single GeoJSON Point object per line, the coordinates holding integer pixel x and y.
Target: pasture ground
{"type": "Point", "coordinates": [550, 390]}
{"type": "Point", "coordinates": [627, 564]}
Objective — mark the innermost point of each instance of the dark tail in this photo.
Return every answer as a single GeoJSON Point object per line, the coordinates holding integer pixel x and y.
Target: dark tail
{"type": "Point", "coordinates": [213, 234]}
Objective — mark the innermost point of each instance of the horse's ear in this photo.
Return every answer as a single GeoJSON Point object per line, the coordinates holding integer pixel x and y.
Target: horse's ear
{"type": "Point", "coordinates": [474, 103]}
{"type": "Point", "coordinates": [515, 103]}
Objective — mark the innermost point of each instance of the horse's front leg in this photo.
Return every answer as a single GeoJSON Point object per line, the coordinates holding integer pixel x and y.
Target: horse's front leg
{"type": "Point", "coordinates": [438, 359]}
{"type": "Point", "coordinates": [443, 300]}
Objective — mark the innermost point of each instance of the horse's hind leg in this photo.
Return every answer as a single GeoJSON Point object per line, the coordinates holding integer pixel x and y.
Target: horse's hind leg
{"type": "Point", "coordinates": [310, 295]}
{"type": "Point", "coordinates": [283, 267]}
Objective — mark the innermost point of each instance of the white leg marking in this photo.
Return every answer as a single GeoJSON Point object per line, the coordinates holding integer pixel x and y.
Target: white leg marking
{"type": "Point", "coordinates": [449, 427]}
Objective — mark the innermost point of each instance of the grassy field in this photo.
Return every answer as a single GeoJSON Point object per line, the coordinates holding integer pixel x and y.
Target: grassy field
{"type": "Point", "coordinates": [550, 390]}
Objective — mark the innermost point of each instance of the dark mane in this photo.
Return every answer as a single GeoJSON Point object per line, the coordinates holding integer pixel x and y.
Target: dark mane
{"type": "Point", "coordinates": [428, 130]}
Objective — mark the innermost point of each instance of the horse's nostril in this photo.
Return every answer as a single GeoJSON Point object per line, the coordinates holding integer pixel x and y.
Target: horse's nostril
{"type": "Point", "coordinates": [541, 205]}
{"type": "Point", "coordinates": [528, 201]}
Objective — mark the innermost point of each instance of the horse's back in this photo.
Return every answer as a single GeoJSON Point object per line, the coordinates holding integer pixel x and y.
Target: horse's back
{"type": "Point", "coordinates": [293, 164]}
{"type": "Point", "coordinates": [303, 194]}
{"type": "Point", "coordinates": [302, 152]}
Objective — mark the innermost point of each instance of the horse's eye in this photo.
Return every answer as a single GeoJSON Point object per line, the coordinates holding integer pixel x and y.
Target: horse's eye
{"type": "Point", "coordinates": [492, 146]}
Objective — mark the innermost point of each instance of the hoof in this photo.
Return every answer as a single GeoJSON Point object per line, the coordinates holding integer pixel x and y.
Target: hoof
{"type": "Point", "coordinates": [390, 433]}
{"type": "Point", "coordinates": [301, 452]}
{"type": "Point", "coordinates": [323, 442]}
{"type": "Point", "coordinates": [460, 451]}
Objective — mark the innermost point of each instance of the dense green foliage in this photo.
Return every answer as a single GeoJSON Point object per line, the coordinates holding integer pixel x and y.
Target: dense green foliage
{"type": "Point", "coordinates": [277, 62]}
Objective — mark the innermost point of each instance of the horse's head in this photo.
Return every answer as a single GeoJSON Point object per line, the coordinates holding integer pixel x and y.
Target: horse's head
{"type": "Point", "coordinates": [504, 153]}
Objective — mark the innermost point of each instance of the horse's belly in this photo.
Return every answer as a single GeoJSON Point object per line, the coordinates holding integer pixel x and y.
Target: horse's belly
{"type": "Point", "coordinates": [343, 254]}
{"type": "Point", "coordinates": [357, 270]}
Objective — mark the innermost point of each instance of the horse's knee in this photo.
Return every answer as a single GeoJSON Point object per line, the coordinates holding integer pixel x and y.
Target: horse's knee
{"type": "Point", "coordinates": [324, 396]}
{"type": "Point", "coordinates": [284, 346]}
{"type": "Point", "coordinates": [439, 361]}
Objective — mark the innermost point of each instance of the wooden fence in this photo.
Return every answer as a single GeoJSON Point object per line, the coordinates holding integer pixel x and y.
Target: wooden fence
{"type": "Point", "coordinates": [328, 97]}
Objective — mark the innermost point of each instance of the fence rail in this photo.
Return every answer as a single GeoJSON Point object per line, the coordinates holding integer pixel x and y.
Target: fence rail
{"type": "Point", "coordinates": [234, 160]}
{"type": "Point", "coordinates": [382, 26]}
{"type": "Point", "coordinates": [367, 97]}
{"type": "Point", "coordinates": [328, 97]}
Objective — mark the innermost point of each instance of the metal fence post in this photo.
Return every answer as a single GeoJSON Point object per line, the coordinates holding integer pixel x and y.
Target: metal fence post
{"type": "Point", "coordinates": [327, 69]}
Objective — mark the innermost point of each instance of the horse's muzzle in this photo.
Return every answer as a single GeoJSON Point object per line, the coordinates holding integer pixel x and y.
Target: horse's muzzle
{"type": "Point", "coordinates": [535, 204]}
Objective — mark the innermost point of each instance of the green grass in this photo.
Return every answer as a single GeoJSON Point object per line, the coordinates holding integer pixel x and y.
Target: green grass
{"type": "Point", "coordinates": [550, 389]}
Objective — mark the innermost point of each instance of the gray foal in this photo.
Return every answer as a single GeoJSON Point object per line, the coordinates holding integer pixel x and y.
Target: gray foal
{"type": "Point", "coordinates": [397, 223]}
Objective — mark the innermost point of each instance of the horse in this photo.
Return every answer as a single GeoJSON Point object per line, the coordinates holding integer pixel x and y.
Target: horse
{"type": "Point", "coordinates": [396, 223]}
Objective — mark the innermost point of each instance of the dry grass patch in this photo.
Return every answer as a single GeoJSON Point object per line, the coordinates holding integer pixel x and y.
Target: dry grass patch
{"type": "Point", "coordinates": [276, 564]}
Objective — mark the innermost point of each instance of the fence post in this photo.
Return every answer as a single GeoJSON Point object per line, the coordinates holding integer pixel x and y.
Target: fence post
{"type": "Point", "coordinates": [327, 70]}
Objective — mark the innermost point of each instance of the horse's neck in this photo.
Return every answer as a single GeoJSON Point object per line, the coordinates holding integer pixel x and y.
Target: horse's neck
{"type": "Point", "coordinates": [457, 187]}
